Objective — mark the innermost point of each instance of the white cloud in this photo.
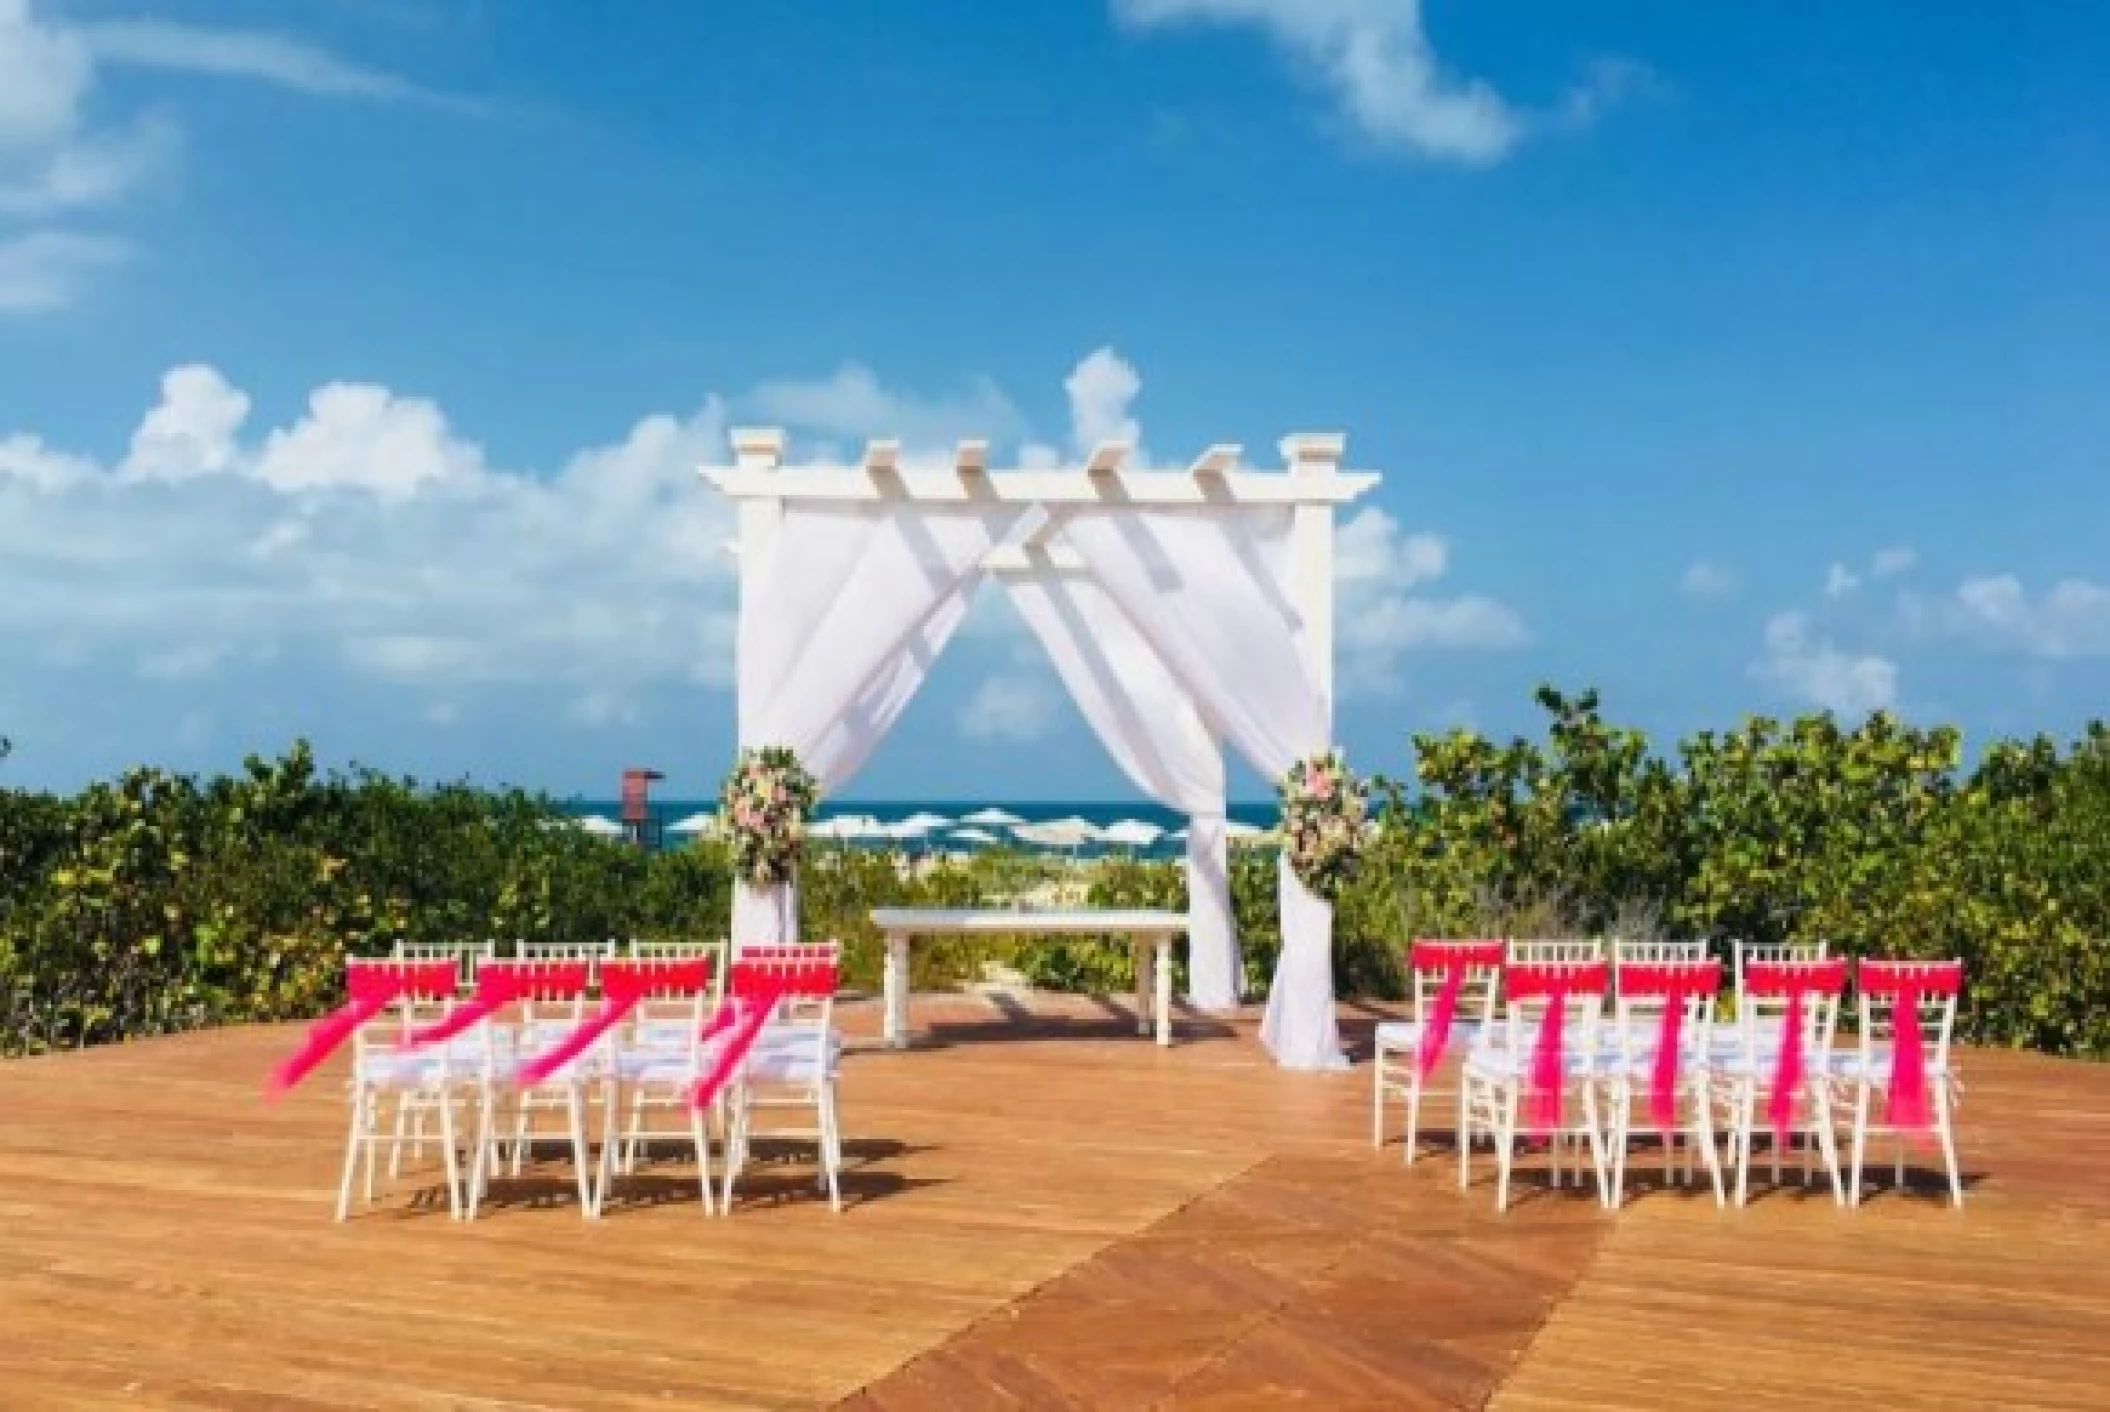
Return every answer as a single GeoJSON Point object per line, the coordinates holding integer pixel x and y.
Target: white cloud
{"type": "Point", "coordinates": [1706, 579]}
{"type": "Point", "coordinates": [1809, 667]}
{"type": "Point", "coordinates": [854, 405]}
{"type": "Point", "coordinates": [1840, 581]}
{"type": "Point", "coordinates": [55, 159]}
{"type": "Point", "coordinates": [249, 54]}
{"type": "Point", "coordinates": [1889, 563]}
{"type": "Point", "coordinates": [366, 539]}
{"type": "Point", "coordinates": [1008, 708]}
{"type": "Point", "coordinates": [1378, 619]}
{"type": "Point", "coordinates": [191, 432]}
{"type": "Point", "coordinates": [1102, 391]}
{"type": "Point", "coordinates": [45, 71]}
{"type": "Point", "coordinates": [2069, 619]}
{"type": "Point", "coordinates": [46, 268]}
{"type": "Point", "coordinates": [1376, 58]}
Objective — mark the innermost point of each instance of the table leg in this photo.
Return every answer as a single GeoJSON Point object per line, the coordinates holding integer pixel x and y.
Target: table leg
{"type": "Point", "coordinates": [1143, 955]}
{"type": "Point", "coordinates": [894, 1001]}
{"type": "Point", "coordinates": [1164, 988]}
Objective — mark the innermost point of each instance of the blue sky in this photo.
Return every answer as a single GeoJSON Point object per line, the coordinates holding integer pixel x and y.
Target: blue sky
{"type": "Point", "coordinates": [355, 355]}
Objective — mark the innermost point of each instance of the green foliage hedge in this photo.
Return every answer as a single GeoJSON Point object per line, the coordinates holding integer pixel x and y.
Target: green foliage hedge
{"type": "Point", "coordinates": [158, 902]}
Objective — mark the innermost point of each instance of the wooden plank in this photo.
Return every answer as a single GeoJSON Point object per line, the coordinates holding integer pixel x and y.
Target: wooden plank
{"type": "Point", "coordinates": [1043, 1212]}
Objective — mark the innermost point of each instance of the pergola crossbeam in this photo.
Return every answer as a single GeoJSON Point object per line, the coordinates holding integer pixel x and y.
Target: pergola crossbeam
{"type": "Point", "coordinates": [1311, 477]}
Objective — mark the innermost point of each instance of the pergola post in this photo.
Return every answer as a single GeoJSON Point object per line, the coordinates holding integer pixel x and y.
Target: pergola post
{"type": "Point", "coordinates": [1318, 457]}
{"type": "Point", "coordinates": [757, 451]}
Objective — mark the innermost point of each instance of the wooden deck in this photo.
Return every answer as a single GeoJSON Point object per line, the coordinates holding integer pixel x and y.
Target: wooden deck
{"type": "Point", "coordinates": [1045, 1212]}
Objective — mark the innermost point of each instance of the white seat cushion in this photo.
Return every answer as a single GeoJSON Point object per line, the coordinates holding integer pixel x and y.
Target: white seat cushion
{"type": "Point", "coordinates": [400, 1068]}
{"type": "Point", "coordinates": [1497, 1062]}
{"type": "Point", "coordinates": [788, 1066]}
{"type": "Point", "coordinates": [1406, 1034]}
{"type": "Point", "coordinates": [1850, 1066]}
{"type": "Point", "coordinates": [648, 1066]}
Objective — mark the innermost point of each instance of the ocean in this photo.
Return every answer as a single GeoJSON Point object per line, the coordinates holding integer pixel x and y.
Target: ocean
{"type": "Point", "coordinates": [1261, 814]}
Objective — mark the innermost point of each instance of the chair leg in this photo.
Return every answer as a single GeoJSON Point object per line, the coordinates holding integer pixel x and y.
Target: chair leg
{"type": "Point", "coordinates": [735, 1148]}
{"type": "Point", "coordinates": [1465, 1134]}
{"type": "Point", "coordinates": [1377, 1101]}
{"type": "Point", "coordinates": [699, 1133]}
{"type": "Point", "coordinates": [1505, 1142]}
{"type": "Point", "coordinates": [480, 1159]}
{"type": "Point", "coordinates": [831, 1156]}
{"type": "Point", "coordinates": [1702, 1137]}
{"type": "Point", "coordinates": [1947, 1133]}
{"type": "Point", "coordinates": [450, 1157]}
{"type": "Point", "coordinates": [522, 1115]}
{"type": "Point", "coordinates": [606, 1163]}
{"type": "Point", "coordinates": [581, 1165]}
{"type": "Point", "coordinates": [1620, 1101]}
{"type": "Point", "coordinates": [1593, 1133]}
{"type": "Point", "coordinates": [395, 1148]}
{"type": "Point", "coordinates": [1861, 1096]}
{"type": "Point", "coordinates": [1746, 1104]}
{"type": "Point", "coordinates": [352, 1145]}
{"type": "Point", "coordinates": [1827, 1140]}
{"type": "Point", "coordinates": [1413, 1118]}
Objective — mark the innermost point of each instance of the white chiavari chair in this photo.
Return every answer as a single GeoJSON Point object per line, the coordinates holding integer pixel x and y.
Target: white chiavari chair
{"type": "Point", "coordinates": [654, 1063]}
{"type": "Point", "coordinates": [1453, 984]}
{"type": "Point", "coordinates": [547, 1005]}
{"type": "Point", "coordinates": [1899, 1079]}
{"type": "Point", "coordinates": [1663, 1008]}
{"type": "Point", "coordinates": [1504, 1081]}
{"type": "Point", "coordinates": [418, 1081]}
{"type": "Point", "coordinates": [793, 1065]}
{"type": "Point", "coordinates": [1781, 1052]}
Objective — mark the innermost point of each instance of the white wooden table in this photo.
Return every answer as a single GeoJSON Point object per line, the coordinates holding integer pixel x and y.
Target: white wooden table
{"type": "Point", "coordinates": [1152, 934]}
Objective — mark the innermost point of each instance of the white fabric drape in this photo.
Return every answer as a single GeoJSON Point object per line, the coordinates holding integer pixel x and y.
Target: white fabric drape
{"type": "Point", "coordinates": [1208, 592]}
{"type": "Point", "coordinates": [837, 631]}
{"type": "Point", "coordinates": [1153, 732]}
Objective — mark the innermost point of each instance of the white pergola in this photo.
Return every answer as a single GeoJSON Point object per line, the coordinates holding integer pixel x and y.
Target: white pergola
{"type": "Point", "coordinates": [1186, 609]}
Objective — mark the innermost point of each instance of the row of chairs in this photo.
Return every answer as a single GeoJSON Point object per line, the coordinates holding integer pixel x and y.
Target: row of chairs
{"type": "Point", "coordinates": [444, 1057]}
{"type": "Point", "coordinates": [1575, 1036]}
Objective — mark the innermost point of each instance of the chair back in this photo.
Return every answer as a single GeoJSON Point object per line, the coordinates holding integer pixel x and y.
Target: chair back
{"type": "Point", "coordinates": [804, 976]}
{"type": "Point", "coordinates": [675, 995]}
{"type": "Point", "coordinates": [466, 955]}
{"type": "Point", "coordinates": [1451, 980]}
{"type": "Point", "coordinates": [1908, 1008]}
{"type": "Point", "coordinates": [1562, 951]}
{"type": "Point", "coordinates": [591, 952]}
{"type": "Point", "coordinates": [1552, 1010]}
{"type": "Point", "coordinates": [424, 992]}
{"type": "Point", "coordinates": [549, 997]}
{"type": "Point", "coordinates": [1628, 952]}
{"type": "Point", "coordinates": [712, 951]}
{"type": "Point", "coordinates": [1664, 1018]}
{"type": "Point", "coordinates": [1743, 953]}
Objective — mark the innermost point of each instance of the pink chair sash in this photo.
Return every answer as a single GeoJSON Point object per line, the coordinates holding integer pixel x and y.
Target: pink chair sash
{"type": "Point", "coordinates": [1554, 982]}
{"type": "Point", "coordinates": [1676, 982]}
{"type": "Point", "coordinates": [499, 984]}
{"type": "Point", "coordinates": [624, 986]}
{"type": "Point", "coordinates": [1453, 959]}
{"type": "Point", "coordinates": [762, 978]}
{"type": "Point", "coordinates": [1905, 982]}
{"type": "Point", "coordinates": [1797, 981]}
{"type": "Point", "coordinates": [372, 989]}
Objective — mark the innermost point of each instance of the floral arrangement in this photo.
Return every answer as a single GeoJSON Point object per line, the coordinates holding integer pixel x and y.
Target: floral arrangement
{"type": "Point", "coordinates": [763, 807]}
{"type": "Point", "coordinates": [1323, 809]}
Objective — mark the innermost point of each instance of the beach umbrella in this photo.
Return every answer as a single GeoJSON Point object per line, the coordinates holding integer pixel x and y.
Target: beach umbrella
{"type": "Point", "coordinates": [1131, 833]}
{"type": "Point", "coordinates": [706, 822]}
{"type": "Point", "coordinates": [982, 836]}
{"type": "Point", "coordinates": [847, 826]}
{"type": "Point", "coordinates": [600, 827]}
{"type": "Point", "coordinates": [993, 819]}
{"type": "Point", "coordinates": [1062, 833]}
